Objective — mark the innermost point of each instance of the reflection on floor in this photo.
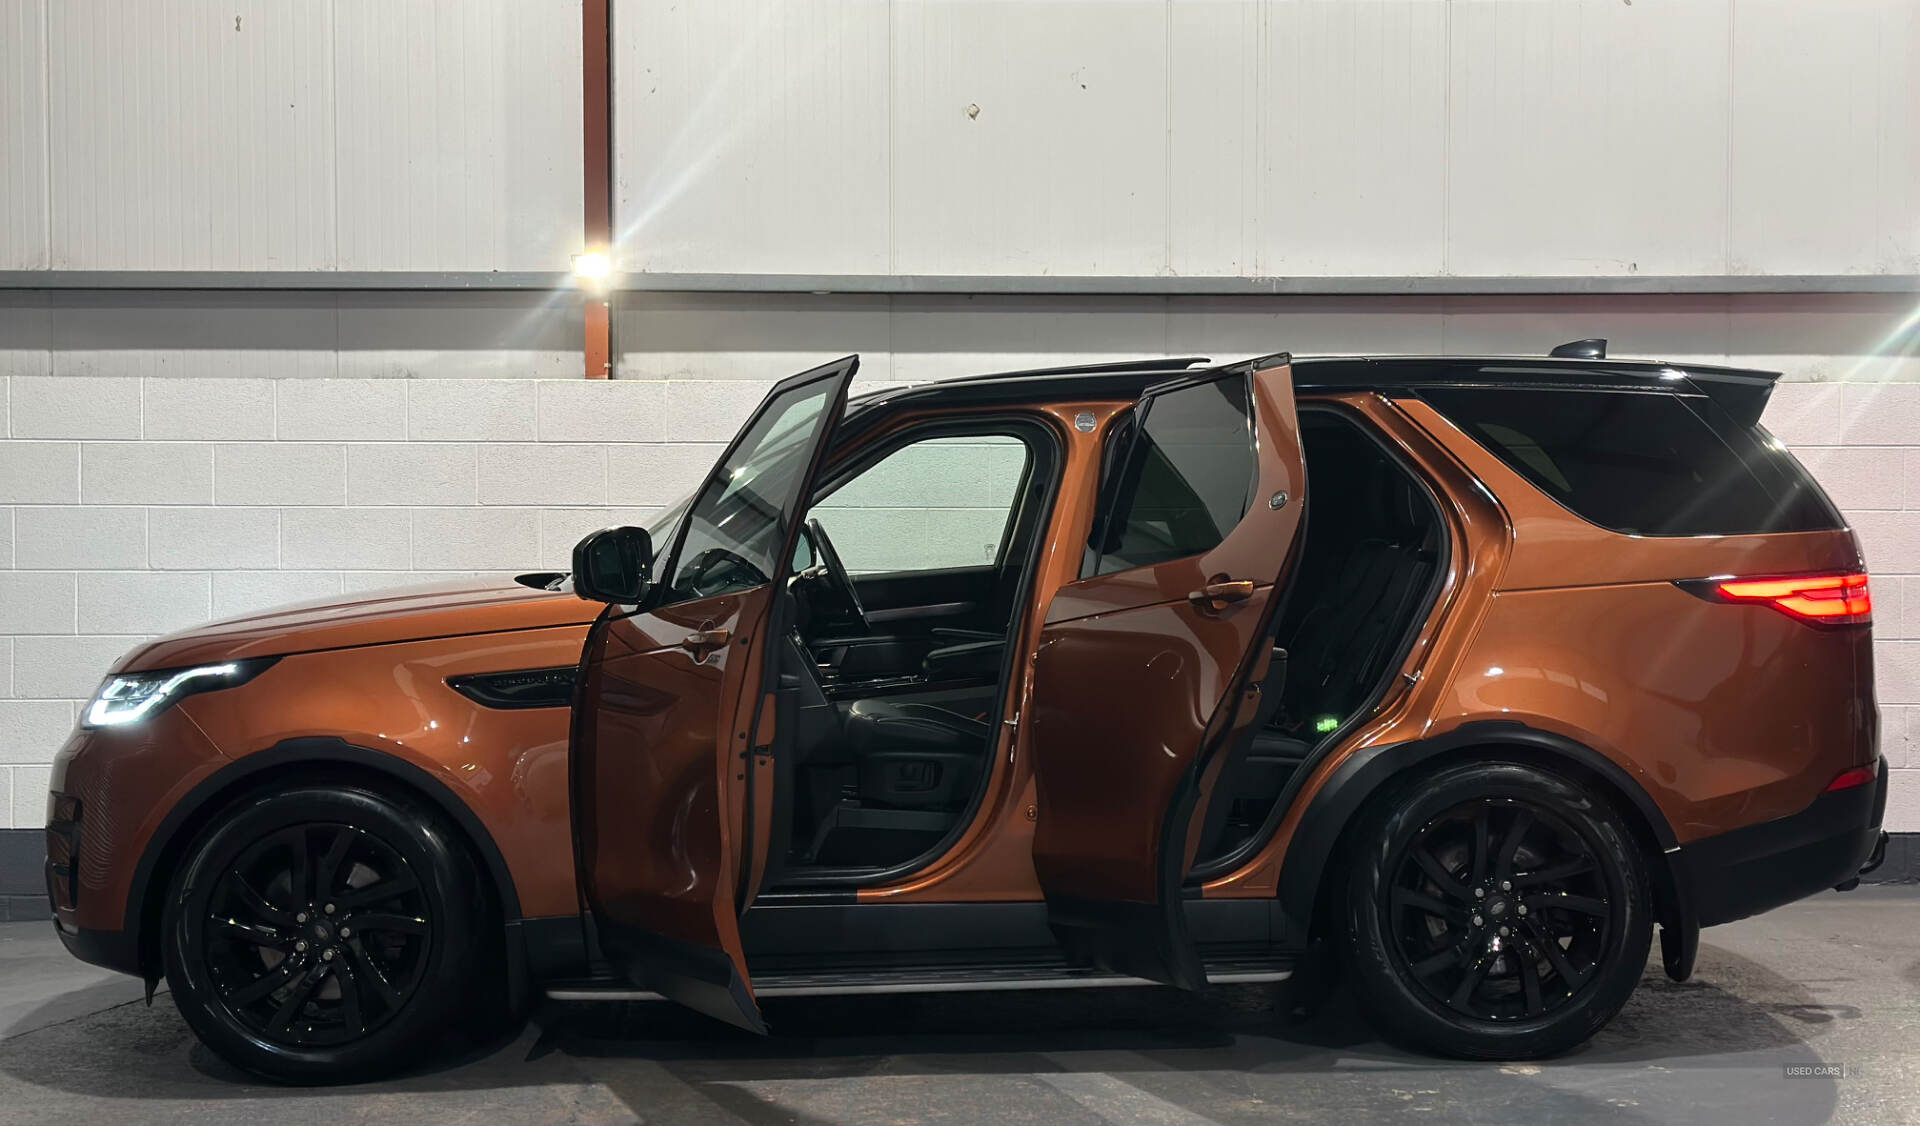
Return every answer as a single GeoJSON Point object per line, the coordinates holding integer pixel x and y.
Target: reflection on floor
{"type": "Point", "coordinates": [1833, 980]}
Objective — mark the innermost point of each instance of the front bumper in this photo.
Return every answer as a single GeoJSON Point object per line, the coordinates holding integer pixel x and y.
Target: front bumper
{"type": "Point", "coordinates": [110, 791]}
{"type": "Point", "coordinates": [1759, 867]}
{"type": "Point", "coordinates": [113, 950]}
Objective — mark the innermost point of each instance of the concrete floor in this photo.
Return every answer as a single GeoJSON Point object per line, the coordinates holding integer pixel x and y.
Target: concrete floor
{"type": "Point", "coordinates": [1833, 980]}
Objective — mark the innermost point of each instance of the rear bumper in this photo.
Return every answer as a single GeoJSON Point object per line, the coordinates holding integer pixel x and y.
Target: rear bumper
{"type": "Point", "coordinates": [1757, 868]}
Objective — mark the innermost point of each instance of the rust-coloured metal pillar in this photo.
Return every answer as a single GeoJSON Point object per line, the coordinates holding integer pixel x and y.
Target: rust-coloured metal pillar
{"type": "Point", "coordinates": [599, 344]}
{"type": "Point", "coordinates": [597, 106]}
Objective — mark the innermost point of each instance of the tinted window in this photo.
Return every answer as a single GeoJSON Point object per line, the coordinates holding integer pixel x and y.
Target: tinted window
{"type": "Point", "coordinates": [1177, 480]}
{"type": "Point", "coordinates": [738, 521]}
{"type": "Point", "coordinates": [1648, 463]}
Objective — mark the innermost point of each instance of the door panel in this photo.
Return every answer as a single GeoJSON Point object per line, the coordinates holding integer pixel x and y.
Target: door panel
{"type": "Point", "coordinates": [1139, 680]}
{"type": "Point", "coordinates": [659, 860]}
{"type": "Point", "coordinates": [669, 833]}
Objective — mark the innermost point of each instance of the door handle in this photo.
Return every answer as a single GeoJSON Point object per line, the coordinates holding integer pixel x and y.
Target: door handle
{"type": "Point", "coordinates": [702, 642]}
{"type": "Point", "coordinates": [1221, 592]}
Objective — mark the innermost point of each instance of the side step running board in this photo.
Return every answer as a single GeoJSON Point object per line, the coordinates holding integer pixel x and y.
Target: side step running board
{"type": "Point", "coordinates": [939, 979]}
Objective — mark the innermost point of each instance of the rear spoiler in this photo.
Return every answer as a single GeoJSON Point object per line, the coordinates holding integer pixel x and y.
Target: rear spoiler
{"type": "Point", "coordinates": [1741, 392]}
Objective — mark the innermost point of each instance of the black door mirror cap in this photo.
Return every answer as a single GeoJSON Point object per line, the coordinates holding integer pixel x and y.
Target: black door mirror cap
{"type": "Point", "coordinates": [613, 565]}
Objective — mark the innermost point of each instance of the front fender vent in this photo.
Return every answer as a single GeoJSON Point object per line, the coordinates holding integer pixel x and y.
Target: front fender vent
{"type": "Point", "coordinates": [521, 688]}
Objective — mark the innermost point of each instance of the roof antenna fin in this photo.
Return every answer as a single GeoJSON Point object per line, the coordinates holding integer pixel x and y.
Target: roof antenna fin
{"type": "Point", "coordinates": [1592, 348]}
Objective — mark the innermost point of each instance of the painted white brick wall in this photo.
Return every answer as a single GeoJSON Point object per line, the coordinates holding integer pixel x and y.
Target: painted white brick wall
{"type": "Point", "coordinates": [134, 502]}
{"type": "Point", "coordinates": [150, 504]}
{"type": "Point", "coordinates": [945, 502]}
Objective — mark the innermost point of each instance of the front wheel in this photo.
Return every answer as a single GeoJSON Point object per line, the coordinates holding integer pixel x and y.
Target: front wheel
{"type": "Point", "coordinates": [325, 934]}
{"type": "Point", "coordinates": [1496, 911]}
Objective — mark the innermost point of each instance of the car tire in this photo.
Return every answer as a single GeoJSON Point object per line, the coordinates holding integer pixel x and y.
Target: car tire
{"type": "Point", "coordinates": [326, 934]}
{"type": "Point", "coordinates": [1447, 960]}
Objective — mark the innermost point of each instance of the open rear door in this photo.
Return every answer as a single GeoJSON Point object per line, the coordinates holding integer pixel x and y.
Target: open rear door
{"type": "Point", "coordinates": [664, 831]}
{"type": "Point", "coordinates": [1149, 665]}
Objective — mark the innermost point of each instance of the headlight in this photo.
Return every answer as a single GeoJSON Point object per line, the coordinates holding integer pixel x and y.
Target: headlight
{"type": "Point", "coordinates": [132, 697]}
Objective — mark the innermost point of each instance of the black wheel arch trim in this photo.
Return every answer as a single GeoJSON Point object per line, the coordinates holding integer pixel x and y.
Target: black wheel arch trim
{"type": "Point", "coordinates": [141, 919]}
{"type": "Point", "coordinates": [1356, 780]}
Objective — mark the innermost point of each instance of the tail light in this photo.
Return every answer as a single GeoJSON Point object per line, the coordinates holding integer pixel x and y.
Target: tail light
{"type": "Point", "coordinates": [1858, 776]}
{"type": "Point", "coordinates": [1832, 599]}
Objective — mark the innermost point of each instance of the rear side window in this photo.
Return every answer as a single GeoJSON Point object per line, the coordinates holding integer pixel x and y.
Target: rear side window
{"type": "Point", "coordinates": [1642, 462]}
{"type": "Point", "coordinates": [1177, 479]}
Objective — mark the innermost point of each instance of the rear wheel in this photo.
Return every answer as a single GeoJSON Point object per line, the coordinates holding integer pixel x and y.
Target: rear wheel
{"type": "Point", "coordinates": [325, 934]}
{"type": "Point", "coordinates": [1497, 911]}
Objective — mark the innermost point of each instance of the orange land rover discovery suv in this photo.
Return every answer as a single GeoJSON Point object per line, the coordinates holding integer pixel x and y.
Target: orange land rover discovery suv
{"type": "Point", "coordinates": [1467, 671]}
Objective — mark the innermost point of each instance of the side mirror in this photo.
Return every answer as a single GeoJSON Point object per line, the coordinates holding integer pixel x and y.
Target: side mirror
{"type": "Point", "coordinates": [613, 565]}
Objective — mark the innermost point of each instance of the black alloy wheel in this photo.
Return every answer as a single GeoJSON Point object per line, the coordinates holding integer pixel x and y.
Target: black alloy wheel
{"type": "Point", "coordinates": [330, 933]}
{"type": "Point", "coordinates": [316, 934]}
{"type": "Point", "coordinates": [1495, 911]}
{"type": "Point", "coordinates": [1499, 910]}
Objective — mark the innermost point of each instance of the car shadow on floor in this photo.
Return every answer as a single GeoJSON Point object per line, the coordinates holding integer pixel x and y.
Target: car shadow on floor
{"type": "Point", "coordinates": [1242, 1036]}
{"type": "Point", "coordinates": [1211, 1053]}
{"type": "Point", "coordinates": [1250, 1025]}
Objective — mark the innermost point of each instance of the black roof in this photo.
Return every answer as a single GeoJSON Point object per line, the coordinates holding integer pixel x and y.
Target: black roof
{"type": "Point", "coordinates": [1742, 392]}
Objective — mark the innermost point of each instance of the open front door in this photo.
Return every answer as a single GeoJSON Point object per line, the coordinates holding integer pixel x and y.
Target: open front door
{"type": "Point", "coordinates": [1149, 665]}
{"type": "Point", "coordinates": [664, 827]}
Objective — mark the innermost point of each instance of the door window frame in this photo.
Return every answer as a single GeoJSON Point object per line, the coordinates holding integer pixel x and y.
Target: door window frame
{"type": "Point", "coordinates": [912, 434]}
{"type": "Point", "coordinates": [1047, 453]}
{"type": "Point", "coordinates": [1117, 458]}
{"type": "Point", "coordinates": [1405, 459]}
{"type": "Point", "coordinates": [782, 556]}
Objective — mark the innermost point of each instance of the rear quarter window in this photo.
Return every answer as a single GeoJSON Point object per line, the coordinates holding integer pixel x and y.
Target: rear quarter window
{"type": "Point", "coordinates": [1648, 463]}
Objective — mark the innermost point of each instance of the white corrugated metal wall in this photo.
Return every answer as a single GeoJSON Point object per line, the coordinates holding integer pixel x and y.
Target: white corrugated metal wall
{"type": "Point", "coordinates": [1270, 137]}
{"type": "Point", "coordinates": [257, 134]}
{"type": "Point", "coordinates": [1111, 137]}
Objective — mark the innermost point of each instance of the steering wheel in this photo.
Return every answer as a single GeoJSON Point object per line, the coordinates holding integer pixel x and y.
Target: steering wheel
{"type": "Point", "coordinates": [716, 571]}
{"type": "Point", "coordinates": [836, 572]}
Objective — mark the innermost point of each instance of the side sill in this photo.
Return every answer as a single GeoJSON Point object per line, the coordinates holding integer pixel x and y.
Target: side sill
{"type": "Point", "coordinates": [941, 979]}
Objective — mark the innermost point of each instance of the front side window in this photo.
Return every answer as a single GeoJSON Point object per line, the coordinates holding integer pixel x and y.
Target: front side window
{"type": "Point", "coordinates": [937, 504]}
{"type": "Point", "coordinates": [737, 523]}
{"type": "Point", "coordinates": [1177, 479]}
